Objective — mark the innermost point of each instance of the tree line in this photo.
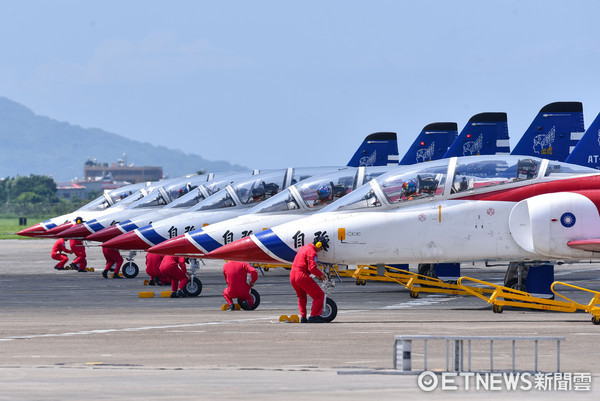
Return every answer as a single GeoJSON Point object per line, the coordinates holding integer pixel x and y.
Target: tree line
{"type": "Point", "coordinates": [33, 195]}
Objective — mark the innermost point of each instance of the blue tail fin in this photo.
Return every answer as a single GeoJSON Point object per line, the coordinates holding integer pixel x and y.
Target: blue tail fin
{"type": "Point", "coordinates": [484, 134]}
{"type": "Point", "coordinates": [554, 132]}
{"type": "Point", "coordinates": [378, 149]}
{"type": "Point", "coordinates": [587, 150]}
{"type": "Point", "coordinates": [431, 144]}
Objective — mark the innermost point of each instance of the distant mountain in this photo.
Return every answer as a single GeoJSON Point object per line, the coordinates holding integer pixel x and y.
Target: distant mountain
{"type": "Point", "coordinates": [33, 144]}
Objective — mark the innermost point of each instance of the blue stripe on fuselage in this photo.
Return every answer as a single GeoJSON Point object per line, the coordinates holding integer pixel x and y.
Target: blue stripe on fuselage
{"type": "Point", "coordinates": [48, 224]}
{"type": "Point", "coordinates": [204, 240]}
{"type": "Point", "coordinates": [127, 225]}
{"type": "Point", "coordinates": [95, 225]}
{"type": "Point", "coordinates": [151, 235]}
{"type": "Point", "coordinates": [273, 243]}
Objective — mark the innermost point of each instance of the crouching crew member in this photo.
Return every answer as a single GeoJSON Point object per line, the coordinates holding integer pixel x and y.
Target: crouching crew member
{"type": "Point", "coordinates": [57, 254]}
{"type": "Point", "coordinates": [113, 257]}
{"type": "Point", "coordinates": [304, 264]}
{"type": "Point", "coordinates": [153, 269]}
{"type": "Point", "coordinates": [173, 268]}
{"type": "Point", "coordinates": [78, 249]}
{"type": "Point", "coordinates": [236, 277]}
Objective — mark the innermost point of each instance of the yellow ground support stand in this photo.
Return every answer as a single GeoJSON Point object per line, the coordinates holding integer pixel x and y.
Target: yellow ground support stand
{"type": "Point", "coordinates": [504, 296]}
{"type": "Point", "coordinates": [413, 282]}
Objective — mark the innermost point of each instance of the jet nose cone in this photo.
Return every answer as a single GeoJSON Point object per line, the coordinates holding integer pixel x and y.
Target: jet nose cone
{"type": "Point", "coordinates": [180, 246]}
{"type": "Point", "coordinates": [127, 241]}
{"type": "Point", "coordinates": [33, 231]}
{"type": "Point", "coordinates": [105, 234]}
{"type": "Point", "coordinates": [78, 231]}
{"type": "Point", "coordinates": [244, 250]}
{"type": "Point", "coordinates": [60, 228]}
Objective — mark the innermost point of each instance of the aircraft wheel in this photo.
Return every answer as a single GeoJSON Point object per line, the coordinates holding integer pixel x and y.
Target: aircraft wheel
{"type": "Point", "coordinates": [130, 270]}
{"type": "Point", "coordinates": [193, 288]}
{"type": "Point", "coordinates": [255, 297]}
{"type": "Point", "coordinates": [414, 294]}
{"type": "Point", "coordinates": [596, 319]}
{"type": "Point", "coordinates": [358, 282]}
{"type": "Point", "coordinates": [363, 282]}
{"type": "Point", "coordinates": [329, 310]}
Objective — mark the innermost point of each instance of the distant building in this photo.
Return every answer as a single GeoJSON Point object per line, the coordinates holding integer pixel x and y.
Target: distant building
{"type": "Point", "coordinates": [120, 171]}
{"type": "Point", "coordinates": [99, 177]}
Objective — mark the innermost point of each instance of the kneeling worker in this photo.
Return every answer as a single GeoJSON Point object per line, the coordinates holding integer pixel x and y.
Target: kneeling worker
{"type": "Point", "coordinates": [304, 264]}
{"type": "Point", "coordinates": [173, 268]}
{"type": "Point", "coordinates": [236, 277]}
{"type": "Point", "coordinates": [57, 254]}
{"type": "Point", "coordinates": [113, 258]}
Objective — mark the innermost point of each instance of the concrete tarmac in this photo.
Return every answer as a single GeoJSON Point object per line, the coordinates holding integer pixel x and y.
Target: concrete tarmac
{"type": "Point", "coordinates": [69, 335]}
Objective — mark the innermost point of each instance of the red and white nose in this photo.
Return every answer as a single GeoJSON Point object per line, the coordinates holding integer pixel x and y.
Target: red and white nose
{"type": "Point", "coordinates": [105, 234]}
{"type": "Point", "coordinates": [78, 231]}
{"type": "Point", "coordinates": [180, 246]}
{"type": "Point", "coordinates": [59, 229]}
{"type": "Point", "coordinates": [127, 241]}
{"type": "Point", "coordinates": [33, 231]}
{"type": "Point", "coordinates": [244, 250]}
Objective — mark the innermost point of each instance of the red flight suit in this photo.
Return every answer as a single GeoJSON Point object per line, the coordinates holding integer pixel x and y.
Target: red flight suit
{"type": "Point", "coordinates": [57, 253]}
{"type": "Point", "coordinates": [113, 257]}
{"type": "Point", "coordinates": [153, 267]}
{"type": "Point", "coordinates": [304, 264]}
{"type": "Point", "coordinates": [79, 250]}
{"type": "Point", "coordinates": [236, 277]}
{"type": "Point", "coordinates": [173, 267]}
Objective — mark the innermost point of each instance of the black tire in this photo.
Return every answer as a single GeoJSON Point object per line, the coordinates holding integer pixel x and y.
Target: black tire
{"type": "Point", "coordinates": [193, 288]}
{"type": "Point", "coordinates": [329, 310]}
{"type": "Point", "coordinates": [255, 297]}
{"type": "Point", "coordinates": [130, 270]}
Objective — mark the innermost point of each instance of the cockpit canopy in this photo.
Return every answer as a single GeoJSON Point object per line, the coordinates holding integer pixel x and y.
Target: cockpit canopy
{"type": "Point", "coordinates": [316, 192]}
{"type": "Point", "coordinates": [447, 177]}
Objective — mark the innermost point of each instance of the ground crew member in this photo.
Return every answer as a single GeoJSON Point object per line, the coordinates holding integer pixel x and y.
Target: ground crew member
{"type": "Point", "coordinates": [57, 254]}
{"type": "Point", "coordinates": [173, 267]}
{"type": "Point", "coordinates": [153, 269]}
{"type": "Point", "coordinates": [238, 285]}
{"type": "Point", "coordinates": [78, 249]}
{"type": "Point", "coordinates": [113, 257]}
{"type": "Point", "coordinates": [304, 264]}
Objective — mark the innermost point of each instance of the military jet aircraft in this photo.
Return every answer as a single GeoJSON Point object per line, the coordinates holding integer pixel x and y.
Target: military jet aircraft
{"type": "Point", "coordinates": [516, 208]}
{"type": "Point", "coordinates": [485, 133]}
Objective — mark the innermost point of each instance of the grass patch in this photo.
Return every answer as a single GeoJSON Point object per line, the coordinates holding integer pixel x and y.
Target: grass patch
{"type": "Point", "coordinates": [10, 225]}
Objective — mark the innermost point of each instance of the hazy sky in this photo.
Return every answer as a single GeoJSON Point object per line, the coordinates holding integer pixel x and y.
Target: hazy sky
{"type": "Point", "coordinates": [295, 83]}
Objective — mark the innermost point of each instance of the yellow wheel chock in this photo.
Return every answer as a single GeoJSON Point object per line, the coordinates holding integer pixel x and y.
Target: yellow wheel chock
{"type": "Point", "coordinates": [165, 294]}
{"type": "Point", "coordinates": [146, 294]}
{"type": "Point", "coordinates": [289, 319]}
{"type": "Point", "coordinates": [237, 307]}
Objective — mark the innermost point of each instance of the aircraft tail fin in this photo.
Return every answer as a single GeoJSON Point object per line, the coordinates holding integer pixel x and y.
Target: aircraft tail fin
{"type": "Point", "coordinates": [431, 144]}
{"type": "Point", "coordinates": [378, 149]}
{"type": "Point", "coordinates": [587, 150]}
{"type": "Point", "coordinates": [484, 134]}
{"type": "Point", "coordinates": [554, 132]}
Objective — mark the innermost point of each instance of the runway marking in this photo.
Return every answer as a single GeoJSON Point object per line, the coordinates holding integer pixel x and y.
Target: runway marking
{"type": "Point", "coordinates": [131, 329]}
{"type": "Point", "coordinates": [421, 302]}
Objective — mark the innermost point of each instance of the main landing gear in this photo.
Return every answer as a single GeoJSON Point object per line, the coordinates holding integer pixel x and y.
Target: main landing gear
{"type": "Point", "coordinates": [193, 288]}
